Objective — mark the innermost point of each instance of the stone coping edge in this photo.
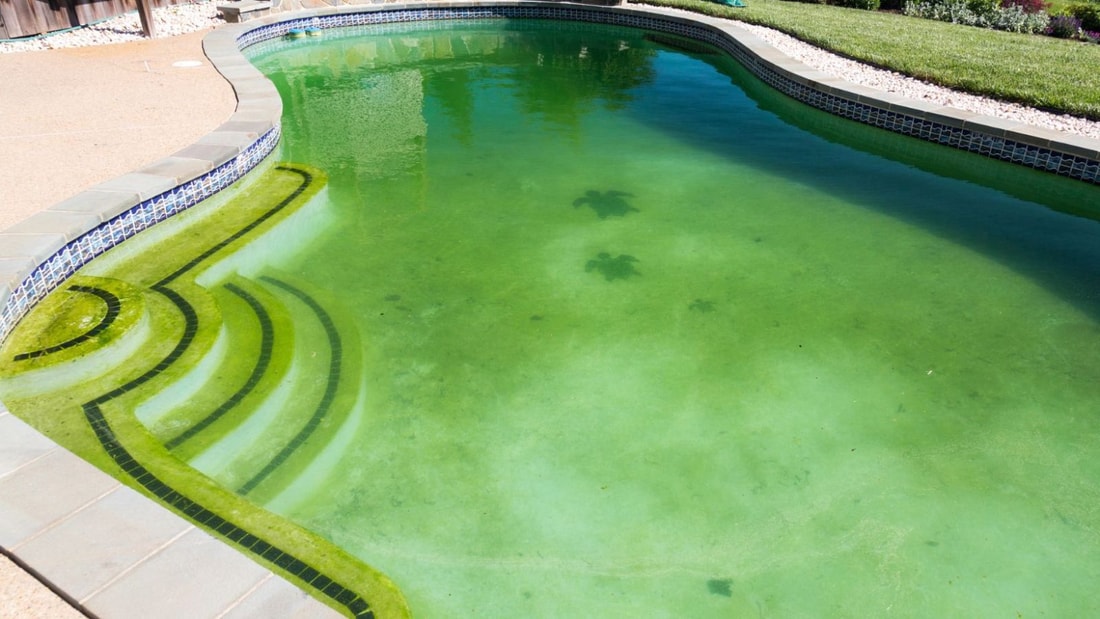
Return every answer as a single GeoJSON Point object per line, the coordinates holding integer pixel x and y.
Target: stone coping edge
{"type": "Point", "coordinates": [39, 253]}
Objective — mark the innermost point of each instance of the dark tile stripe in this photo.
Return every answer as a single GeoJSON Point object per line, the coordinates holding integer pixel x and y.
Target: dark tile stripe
{"type": "Point", "coordinates": [334, 368]}
{"type": "Point", "coordinates": [267, 344]}
{"type": "Point", "coordinates": [114, 306]}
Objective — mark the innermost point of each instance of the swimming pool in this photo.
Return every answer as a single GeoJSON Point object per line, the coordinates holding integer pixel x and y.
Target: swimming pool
{"type": "Point", "coordinates": [580, 249]}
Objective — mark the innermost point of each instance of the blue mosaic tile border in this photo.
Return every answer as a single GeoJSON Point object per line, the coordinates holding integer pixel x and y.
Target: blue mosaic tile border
{"type": "Point", "coordinates": [1004, 149]}
{"type": "Point", "coordinates": [95, 242]}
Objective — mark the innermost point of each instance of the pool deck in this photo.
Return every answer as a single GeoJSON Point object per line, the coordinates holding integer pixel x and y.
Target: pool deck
{"type": "Point", "coordinates": [70, 120]}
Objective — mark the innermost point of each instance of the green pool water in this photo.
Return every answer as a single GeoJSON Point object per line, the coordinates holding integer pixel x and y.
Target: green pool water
{"type": "Point", "coordinates": [636, 336]}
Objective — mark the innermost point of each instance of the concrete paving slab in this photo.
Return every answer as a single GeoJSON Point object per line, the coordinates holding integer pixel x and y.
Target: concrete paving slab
{"type": "Point", "coordinates": [214, 153]}
{"type": "Point", "coordinates": [179, 169]}
{"type": "Point", "coordinates": [195, 576]}
{"type": "Point", "coordinates": [38, 246]}
{"type": "Point", "coordinates": [103, 204]}
{"type": "Point", "coordinates": [276, 597]}
{"type": "Point", "coordinates": [99, 543]}
{"type": "Point", "coordinates": [71, 224]}
{"type": "Point", "coordinates": [20, 444]}
{"type": "Point", "coordinates": [144, 185]}
{"type": "Point", "coordinates": [44, 492]}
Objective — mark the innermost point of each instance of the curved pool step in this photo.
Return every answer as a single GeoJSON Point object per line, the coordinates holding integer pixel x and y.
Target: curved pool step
{"type": "Point", "coordinates": [233, 457]}
{"type": "Point", "coordinates": [83, 329]}
{"type": "Point", "coordinates": [316, 448]}
{"type": "Point", "coordinates": [217, 395]}
{"type": "Point", "coordinates": [279, 437]}
{"type": "Point", "coordinates": [136, 343]}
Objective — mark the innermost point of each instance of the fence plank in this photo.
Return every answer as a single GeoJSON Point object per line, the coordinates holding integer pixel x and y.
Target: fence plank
{"type": "Point", "coordinates": [22, 18]}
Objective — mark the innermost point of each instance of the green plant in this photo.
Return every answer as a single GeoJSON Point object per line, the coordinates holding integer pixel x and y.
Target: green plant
{"type": "Point", "coordinates": [1089, 14]}
{"type": "Point", "coordinates": [983, 7]}
{"type": "Point", "coordinates": [1017, 19]}
{"type": "Point", "coordinates": [979, 13]}
{"type": "Point", "coordinates": [1064, 27]}
{"type": "Point", "coordinates": [1029, 6]}
{"type": "Point", "coordinates": [866, 5]}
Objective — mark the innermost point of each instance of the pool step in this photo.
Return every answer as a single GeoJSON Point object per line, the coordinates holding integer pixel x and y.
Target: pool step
{"type": "Point", "coordinates": [248, 361]}
{"type": "Point", "coordinates": [314, 457]}
{"type": "Point", "coordinates": [79, 329]}
{"type": "Point", "coordinates": [134, 347]}
{"type": "Point", "coordinates": [279, 427]}
{"type": "Point", "coordinates": [234, 458]}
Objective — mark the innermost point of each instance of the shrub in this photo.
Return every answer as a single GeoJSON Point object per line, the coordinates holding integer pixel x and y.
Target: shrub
{"type": "Point", "coordinates": [869, 5]}
{"type": "Point", "coordinates": [866, 5]}
{"type": "Point", "coordinates": [983, 7]}
{"type": "Point", "coordinates": [954, 11]}
{"type": "Point", "coordinates": [1064, 27]}
{"type": "Point", "coordinates": [1016, 19]}
{"type": "Point", "coordinates": [980, 14]}
{"type": "Point", "coordinates": [1089, 14]}
{"type": "Point", "coordinates": [1029, 6]}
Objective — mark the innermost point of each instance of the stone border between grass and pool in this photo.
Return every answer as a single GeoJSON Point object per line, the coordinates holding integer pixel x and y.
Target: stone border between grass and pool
{"type": "Point", "coordinates": [110, 551]}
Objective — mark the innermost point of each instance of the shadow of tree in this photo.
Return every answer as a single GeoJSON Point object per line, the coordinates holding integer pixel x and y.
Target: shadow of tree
{"type": "Point", "coordinates": [620, 267]}
{"type": "Point", "coordinates": [606, 203]}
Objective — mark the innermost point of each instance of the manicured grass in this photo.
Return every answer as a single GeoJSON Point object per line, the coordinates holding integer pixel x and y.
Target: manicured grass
{"type": "Point", "coordinates": [1038, 71]}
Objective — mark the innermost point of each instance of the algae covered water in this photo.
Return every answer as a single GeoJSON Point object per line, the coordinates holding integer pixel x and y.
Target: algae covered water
{"type": "Point", "coordinates": [587, 321]}
{"type": "Point", "coordinates": [637, 343]}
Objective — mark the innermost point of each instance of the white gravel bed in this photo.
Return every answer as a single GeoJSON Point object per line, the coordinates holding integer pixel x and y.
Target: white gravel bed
{"type": "Point", "coordinates": [865, 75]}
{"type": "Point", "coordinates": [186, 18]}
{"type": "Point", "coordinates": [169, 21]}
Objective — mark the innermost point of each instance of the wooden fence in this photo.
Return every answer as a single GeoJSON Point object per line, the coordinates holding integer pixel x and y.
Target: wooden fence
{"type": "Point", "coordinates": [23, 18]}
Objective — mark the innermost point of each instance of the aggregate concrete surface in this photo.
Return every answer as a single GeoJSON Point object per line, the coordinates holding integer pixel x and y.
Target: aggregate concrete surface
{"type": "Point", "coordinates": [72, 118]}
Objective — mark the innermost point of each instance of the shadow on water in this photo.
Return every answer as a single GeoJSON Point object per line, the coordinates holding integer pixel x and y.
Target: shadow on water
{"type": "Point", "coordinates": [606, 204]}
{"type": "Point", "coordinates": [1040, 225]}
{"type": "Point", "coordinates": [619, 267]}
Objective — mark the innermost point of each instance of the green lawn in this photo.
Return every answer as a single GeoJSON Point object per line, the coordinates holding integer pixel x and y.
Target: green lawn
{"type": "Point", "coordinates": [1038, 71]}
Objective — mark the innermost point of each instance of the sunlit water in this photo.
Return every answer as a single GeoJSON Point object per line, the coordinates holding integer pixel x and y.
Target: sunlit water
{"type": "Point", "coordinates": [638, 344]}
